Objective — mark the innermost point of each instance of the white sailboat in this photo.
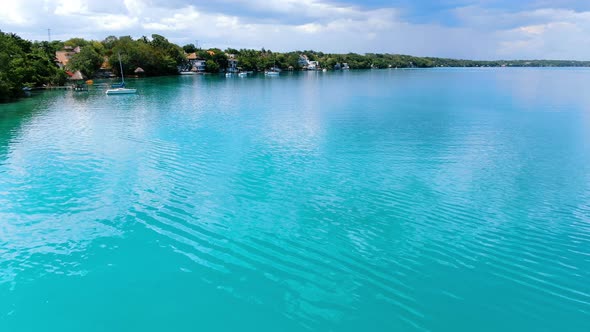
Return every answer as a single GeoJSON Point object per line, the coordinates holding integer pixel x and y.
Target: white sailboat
{"type": "Point", "coordinates": [121, 90]}
{"type": "Point", "coordinates": [273, 71]}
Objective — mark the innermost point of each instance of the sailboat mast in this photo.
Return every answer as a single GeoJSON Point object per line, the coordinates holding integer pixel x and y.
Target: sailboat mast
{"type": "Point", "coordinates": [121, 65]}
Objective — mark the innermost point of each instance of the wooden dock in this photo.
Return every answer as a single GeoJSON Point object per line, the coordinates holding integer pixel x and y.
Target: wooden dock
{"type": "Point", "coordinates": [77, 87]}
{"type": "Point", "coordinates": [80, 87]}
{"type": "Point", "coordinates": [62, 87]}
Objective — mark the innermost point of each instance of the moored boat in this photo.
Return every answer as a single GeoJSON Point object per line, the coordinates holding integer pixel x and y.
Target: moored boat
{"type": "Point", "coordinates": [119, 88]}
{"type": "Point", "coordinates": [273, 71]}
{"type": "Point", "coordinates": [121, 91]}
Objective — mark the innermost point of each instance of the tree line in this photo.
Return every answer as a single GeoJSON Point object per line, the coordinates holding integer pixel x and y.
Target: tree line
{"type": "Point", "coordinates": [29, 64]}
{"type": "Point", "coordinates": [25, 64]}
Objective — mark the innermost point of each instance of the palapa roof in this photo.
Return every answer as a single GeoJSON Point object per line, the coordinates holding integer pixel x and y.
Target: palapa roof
{"type": "Point", "coordinates": [105, 64]}
{"type": "Point", "coordinates": [77, 76]}
{"type": "Point", "coordinates": [63, 57]}
{"type": "Point", "coordinates": [139, 70]}
{"type": "Point", "coordinates": [193, 56]}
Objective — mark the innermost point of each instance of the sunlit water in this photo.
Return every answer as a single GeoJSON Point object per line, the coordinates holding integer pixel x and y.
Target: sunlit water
{"type": "Point", "coordinates": [393, 200]}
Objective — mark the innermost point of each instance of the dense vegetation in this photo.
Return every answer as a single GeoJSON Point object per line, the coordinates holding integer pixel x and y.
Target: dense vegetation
{"type": "Point", "coordinates": [156, 56]}
{"type": "Point", "coordinates": [30, 64]}
{"type": "Point", "coordinates": [26, 64]}
{"type": "Point", "coordinates": [259, 60]}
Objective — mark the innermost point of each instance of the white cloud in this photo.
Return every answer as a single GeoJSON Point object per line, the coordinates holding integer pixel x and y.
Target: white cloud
{"type": "Point", "coordinates": [309, 24]}
{"type": "Point", "coordinates": [71, 7]}
{"type": "Point", "coordinates": [108, 23]}
{"type": "Point", "coordinates": [309, 28]}
{"type": "Point", "coordinates": [134, 7]}
{"type": "Point", "coordinates": [560, 35]}
{"type": "Point", "coordinates": [17, 13]}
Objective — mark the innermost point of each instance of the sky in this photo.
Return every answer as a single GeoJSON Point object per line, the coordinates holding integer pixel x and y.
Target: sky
{"type": "Point", "coordinates": [469, 29]}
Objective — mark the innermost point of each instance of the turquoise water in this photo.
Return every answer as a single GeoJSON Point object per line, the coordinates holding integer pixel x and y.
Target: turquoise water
{"type": "Point", "coordinates": [393, 200]}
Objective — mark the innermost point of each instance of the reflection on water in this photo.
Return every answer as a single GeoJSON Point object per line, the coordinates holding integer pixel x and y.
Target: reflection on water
{"type": "Point", "coordinates": [390, 199]}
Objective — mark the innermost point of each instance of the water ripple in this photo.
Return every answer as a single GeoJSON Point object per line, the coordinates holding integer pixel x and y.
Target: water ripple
{"type": "Point", "coordinates": [344, 201]}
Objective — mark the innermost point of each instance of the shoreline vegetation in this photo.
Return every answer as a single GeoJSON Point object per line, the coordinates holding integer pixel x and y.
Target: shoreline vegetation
{"type": "Point", "coordinates": [26, 64]}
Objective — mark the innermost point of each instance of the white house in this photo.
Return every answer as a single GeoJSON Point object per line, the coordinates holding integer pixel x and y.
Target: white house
{"type": "Point", "coordinates": [232, 63]}
{"type": "Point", "coordinates": [196, 64]}
{"type": "Point", "coordinates": [305, 63]}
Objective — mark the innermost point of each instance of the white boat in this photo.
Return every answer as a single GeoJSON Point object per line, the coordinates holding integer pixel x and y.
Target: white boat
{"type": "Point", "coordinates": [121, 90]}
{"type": "Point", "coordinates": [187, 73]}
{"type": "Point", "coordinates": [273, 71]}
{"type": "Point", "coordinates": [242, 74]}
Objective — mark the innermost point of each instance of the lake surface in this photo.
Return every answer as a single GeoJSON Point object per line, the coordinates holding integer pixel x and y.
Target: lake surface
{"type": "Point", "coordinates": [390, 200]}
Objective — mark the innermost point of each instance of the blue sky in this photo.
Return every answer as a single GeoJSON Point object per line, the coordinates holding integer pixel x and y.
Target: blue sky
{"type": "Point", "coordinates": [485, 29]}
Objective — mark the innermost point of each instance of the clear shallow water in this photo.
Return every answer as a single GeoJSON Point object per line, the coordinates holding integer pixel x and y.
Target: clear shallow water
{"type": "Point", "coordinates": [411, 200]}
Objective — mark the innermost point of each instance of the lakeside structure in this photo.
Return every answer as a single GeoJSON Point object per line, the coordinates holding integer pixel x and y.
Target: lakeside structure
{"type": "Point", "coordinates": [232, 63]}
{"type": "Point", "coordinates": [51, 63]}
{"type": "Point", "coordinates": [63, 56]}
{"type": "Point", "coordinates": [307, 64]}
{"type": "Point", "coordinates": [195, 63]}
{"type": "Point", "coordinates": [226, 62]}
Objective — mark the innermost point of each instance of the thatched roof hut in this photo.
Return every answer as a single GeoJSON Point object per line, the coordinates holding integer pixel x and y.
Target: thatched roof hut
{"type": "Point", "coordinates": [139, 70]}
{"type": "Point", "coordinates": [77, 76]}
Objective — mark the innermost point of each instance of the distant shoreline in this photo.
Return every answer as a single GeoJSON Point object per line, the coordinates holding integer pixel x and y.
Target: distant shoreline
{"type": "Point", "coordinates": [27, 65]}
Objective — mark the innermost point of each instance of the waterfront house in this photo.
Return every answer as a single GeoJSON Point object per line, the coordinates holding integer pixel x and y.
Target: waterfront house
{"type": "Point", "coordinates": [303, 61]}
{"type": "Point", "coordinates": [341, 66]}
{"type": "Point", "coordinates": [105, 69]}
{"type": "Point", "coordinates": [232, 63]}
{"type": "Point", "coordinates": [78, 79]}
{"type": "Point", "coordinates": [77, 76]}
{"type": "Point", "coordinates": [307, 64]}
{"type": "Point", "coordinates": [196, 64]}
{"type": "Point", "coordinates": [63, 57]}
{"type": "Point", "coordinates": [313, 65]}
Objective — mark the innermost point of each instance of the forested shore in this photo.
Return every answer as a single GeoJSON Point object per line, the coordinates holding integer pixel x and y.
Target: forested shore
{"type": "Point", "coordinates": [27, 64]}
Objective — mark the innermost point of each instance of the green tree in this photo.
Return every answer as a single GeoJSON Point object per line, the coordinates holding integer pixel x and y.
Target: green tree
{"type": "Point", "coordinates": [189, 48]}
{"type": "Point", "coordinates": [219, 57]}
{"type": "Point", "coordinates": [211, 66]}
{"type": "Point", "coordinates": [23, 63]}
{"type": "Point", "coordinates": [156, 56]}
{"type": "Point", "coordinates": [88, 61]}
{"type": "Point", "coordinates": [109, 42]}
{"type": "Point", "coordinates": [73, 42]}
